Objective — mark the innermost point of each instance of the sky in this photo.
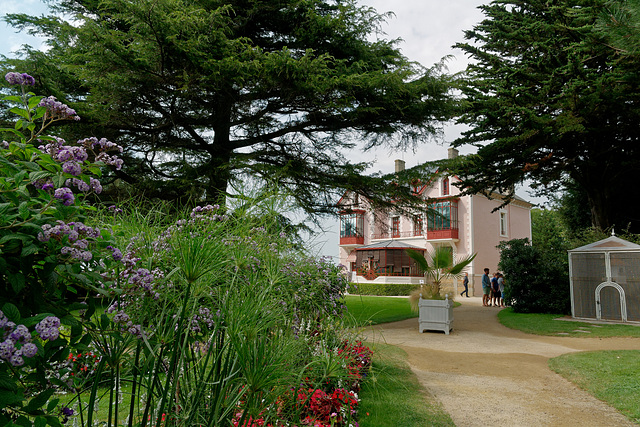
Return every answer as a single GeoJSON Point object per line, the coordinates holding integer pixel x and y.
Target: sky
{"type": "Point", "coordinates": [428, 29]}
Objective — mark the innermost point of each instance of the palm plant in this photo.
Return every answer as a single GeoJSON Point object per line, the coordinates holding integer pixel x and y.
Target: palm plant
{"type": "Point", "coordinates": [438, 265]}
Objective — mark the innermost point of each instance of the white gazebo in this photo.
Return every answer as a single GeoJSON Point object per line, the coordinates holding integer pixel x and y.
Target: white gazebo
{"type": "Point", "coordinates": [605, 280]}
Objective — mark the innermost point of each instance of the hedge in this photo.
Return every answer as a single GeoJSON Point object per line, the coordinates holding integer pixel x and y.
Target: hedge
{"type": "Point", "coordinates": [382, 289]}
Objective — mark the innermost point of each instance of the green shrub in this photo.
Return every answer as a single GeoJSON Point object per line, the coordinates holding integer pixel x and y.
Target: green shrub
{"type": "Point", "coordinates": [533, 284]}
{"type": "Point", "coordinates": [382, 289]}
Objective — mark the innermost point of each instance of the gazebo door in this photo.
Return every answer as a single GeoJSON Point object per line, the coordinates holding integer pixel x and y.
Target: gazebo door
{"type": "Point", "coordinates": [610, 302]}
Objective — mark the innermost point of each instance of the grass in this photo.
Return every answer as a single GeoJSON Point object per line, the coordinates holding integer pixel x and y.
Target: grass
{"type": "Point", "coordinates": [611, 376]}
{"type": "Point", "coordinates": [392, 395]}
{"type": "Point", "coordinates": [370, 310]}
{"type": "Point", "coordinates": [544, 324]}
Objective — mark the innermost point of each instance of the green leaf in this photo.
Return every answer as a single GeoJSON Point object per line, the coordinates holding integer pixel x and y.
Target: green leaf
{"type": "Point", "coordinates": [34, 101]}
{"type": "Point", "coordinates": [7, 383]}
{"type": "Point", "coordinates": [40, 422]}
{"type": "Point", "coordinates": [11, 311]}
{"type": "Point", "coordinates": [29, 250]}
{"type": "Point", "coordinates": [53, 421]}
{"type": "Point", "coordinates": [20, 111]}
{"type": "Point", "coordinates": [12, 98]}
{"type": "Point", "coordinates": [18, 134]}
{"type": "Point", "coordinates": [9, 398]}
{"type": "Point", "coordinates": [39, 401]}
{"type": "Point", "coordinates": [49, 165]}
{"type": "Point", "coordinates": [35, 176]}
{"type": "Point", "coordinates": [23, 210]}
{"type": "Point", "coordinates": [19, 124]}
{"type": "Point", "coordinates": [23, 421]}
{"type": "Point", "coordinates": [52, 404]}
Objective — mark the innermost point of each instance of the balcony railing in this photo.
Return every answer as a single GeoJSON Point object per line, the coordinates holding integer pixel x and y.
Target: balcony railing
{"type": "Point", "coordinates": [352, 240]}
{"type": "Point", "coordinates": [388, 271]}
{"type": "Point", "coordinates": [447, 233]}
{"type": "Point", "coordinates": [397, 235]}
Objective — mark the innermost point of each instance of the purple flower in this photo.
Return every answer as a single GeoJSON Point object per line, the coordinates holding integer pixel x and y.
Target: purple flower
{"type": "Point", "coordinates": [7, 347]}
{"type": "Point", "coordinates": [115, 210]}
{"type": "Point", "coordinates": [115, 252]}
{"type": "Point", "coordinates": [95, 185]}
{"type": "Point", "coordinates": [23, 79]}
{"type": "Point", "coordinates": [78, 183]}
{"type": "Point", "coordinates": [58, 110]}
{"type": "Point", "coordinates": [76, 253]}
{"type": "Point", "coordinates": [65, 195]}
{"type": "Point", "coordinates": [48, 328]}
{"type": "Point", "coordinates": [72, 168]}
{"type": "Point", "coordinates": [29, 349]}
{"type": "Point", "coordinates": [67, 412]}
{"type": "Point", "coordinates": [20, 334]}
{"type": "Point", "coordinates": [16, 360]}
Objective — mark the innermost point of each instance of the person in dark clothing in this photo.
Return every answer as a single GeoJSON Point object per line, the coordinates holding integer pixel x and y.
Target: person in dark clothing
{"type": "Point", "coordinates": [465, 283]}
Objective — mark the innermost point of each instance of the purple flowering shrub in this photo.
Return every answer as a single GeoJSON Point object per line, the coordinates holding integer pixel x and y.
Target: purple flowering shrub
{"type": "Point", "coordinates": [46, 248]}
{"type": "Point", "coordinates": [49, 256]}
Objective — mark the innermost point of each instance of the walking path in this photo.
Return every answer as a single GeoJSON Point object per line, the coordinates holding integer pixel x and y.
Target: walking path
{"type": "Point", "coordinates": [488, 375]}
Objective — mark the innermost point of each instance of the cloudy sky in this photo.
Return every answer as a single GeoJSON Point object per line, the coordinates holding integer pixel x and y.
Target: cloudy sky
{"type": "Point", "coordinates": [428, 29]}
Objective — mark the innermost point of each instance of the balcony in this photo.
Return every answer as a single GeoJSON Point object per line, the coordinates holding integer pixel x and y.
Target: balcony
{"type": "Point", "coordinates": [371, 274]}
{"type": "Point", "coordinates": [442, 234]}
{"type": "Point", "coordinates": [351, 240]}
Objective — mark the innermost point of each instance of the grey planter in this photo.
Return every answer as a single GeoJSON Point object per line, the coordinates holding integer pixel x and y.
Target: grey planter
{"type": "Point", "coordinates": [435, 315]}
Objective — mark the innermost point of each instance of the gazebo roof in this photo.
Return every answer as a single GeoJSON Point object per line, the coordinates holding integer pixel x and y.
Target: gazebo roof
{"type": "Point", "coordinates": [610, 244]}
{"type": "Point", "coordinates": [389, 244]}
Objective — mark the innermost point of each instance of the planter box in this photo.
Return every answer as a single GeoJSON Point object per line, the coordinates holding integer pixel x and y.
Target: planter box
{"type": "Point", "coordinates": [435, 315]}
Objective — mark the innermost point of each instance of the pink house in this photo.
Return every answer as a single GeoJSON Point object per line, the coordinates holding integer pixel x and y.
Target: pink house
{"type": "Point", "coordinates": [372, 243]}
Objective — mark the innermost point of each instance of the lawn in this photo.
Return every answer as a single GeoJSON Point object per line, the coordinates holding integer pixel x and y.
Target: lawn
{"type": "Point", "coordinates": [545, 324]}
{"type": "Point", "coordinates": [372, 310]}
{"type": "Point", "coordinates": [611, 376]}
{"type": "Point", "coordinates": [392, 395]}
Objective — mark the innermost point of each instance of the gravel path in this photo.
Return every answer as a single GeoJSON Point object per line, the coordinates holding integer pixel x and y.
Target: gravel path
{"type": "Point", "coordinates": [488, 375]}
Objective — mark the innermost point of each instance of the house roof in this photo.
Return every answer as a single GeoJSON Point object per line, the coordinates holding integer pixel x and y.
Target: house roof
{"type": "Point", "coordinates": [610, 244]}
{"type": "Point", "coordinates": [389, 244]}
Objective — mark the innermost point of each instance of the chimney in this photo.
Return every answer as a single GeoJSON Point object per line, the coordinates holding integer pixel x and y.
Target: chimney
{"type": "Point", "coordinates": [453, 153]}
{"type": "Point", "coordinates": [399, 165]}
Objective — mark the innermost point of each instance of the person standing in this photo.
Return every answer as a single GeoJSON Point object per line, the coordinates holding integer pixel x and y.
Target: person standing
{"type": "Point", "coordinates": [501, 288]}
{"type": "Point", "coordinates": [486, 287]}
{"type": "Point", "coordinates": [495, 292]}
{"type": "Point", "coordinates": [465, 283]}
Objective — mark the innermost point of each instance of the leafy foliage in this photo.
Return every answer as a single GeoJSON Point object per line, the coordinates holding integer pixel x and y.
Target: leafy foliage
{"type": "Point", "coordinates": [534, 283]}
{"type": "Point", "coordinates": [437, 265]}
{"type": "Point", "coordinates": [545, 88]}
{"type": "Point", "coordinates": [203, 94]}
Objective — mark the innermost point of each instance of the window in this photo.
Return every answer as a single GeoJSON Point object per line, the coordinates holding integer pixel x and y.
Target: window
{"type": "Point", "coordinates": [352, 225]}
{"type": "Point", "coordinates": [417, 225]}
{"type": "Point", "coordinates": [443, 215]}
{"type": "Point", "coordinates": [503, 224]}
{"type": "Point", "coordinates": [445, 186]}
{"type": "Point", "coordinates": [395, 226]}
